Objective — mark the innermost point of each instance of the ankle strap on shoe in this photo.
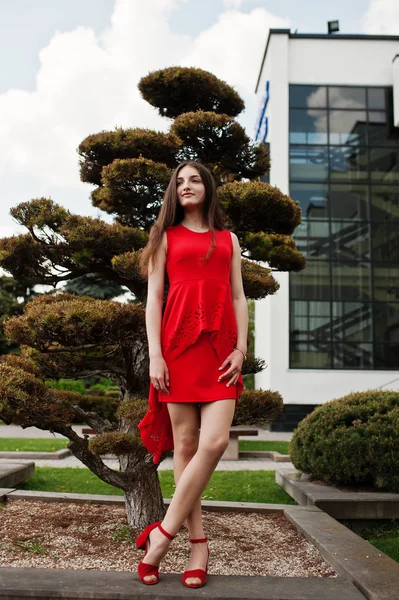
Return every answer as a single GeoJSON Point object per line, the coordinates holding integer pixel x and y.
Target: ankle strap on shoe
{"type": "Point", "coordinates": [166, 534]}
{"type": "Point", "coordinates": [199, 540]}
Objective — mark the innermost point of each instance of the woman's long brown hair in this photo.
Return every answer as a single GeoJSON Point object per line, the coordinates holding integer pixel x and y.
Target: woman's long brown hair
{"type": "Point", "coordinates": [172, 213]}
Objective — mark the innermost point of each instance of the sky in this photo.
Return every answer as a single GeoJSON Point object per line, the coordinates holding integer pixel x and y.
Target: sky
{"type": "Point", "coordinates": [70, 68]}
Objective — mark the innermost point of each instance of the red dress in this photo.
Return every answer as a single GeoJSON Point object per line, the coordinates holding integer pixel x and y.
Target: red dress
{"type": "Point", "coordinates": [198, 330]}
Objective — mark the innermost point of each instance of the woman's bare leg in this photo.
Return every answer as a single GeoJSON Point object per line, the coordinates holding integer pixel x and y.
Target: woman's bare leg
{"type": "Point", "coordinates": [216, 418]}
{"type": "Point", "coordinates": [199, 552]}
{"type": "Point", "coordinates": [185, 425]}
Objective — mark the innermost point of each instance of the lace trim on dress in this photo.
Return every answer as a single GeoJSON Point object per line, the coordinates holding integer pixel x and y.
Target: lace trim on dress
{"type": "Point", "coordinates": [194, 321]}
{"type": "Point", "coordinates": [209, 310]}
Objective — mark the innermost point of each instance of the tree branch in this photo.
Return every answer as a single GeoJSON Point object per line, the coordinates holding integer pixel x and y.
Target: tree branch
{"type": "Point", "coordinates": [57, 349]}
{"type": "Point", "coordinates": [80, 448]}
{"type": "Point", "coordinates": [96, 422]}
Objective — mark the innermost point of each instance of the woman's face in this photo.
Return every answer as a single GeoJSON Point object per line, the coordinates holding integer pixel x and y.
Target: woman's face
{"type": "Point", "coordinates": [190, 188]}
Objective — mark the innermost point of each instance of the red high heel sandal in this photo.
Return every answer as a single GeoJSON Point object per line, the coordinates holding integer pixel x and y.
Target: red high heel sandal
{"type": "Point", "coordinates": [197, 573]}
{"type": "Point", "coordinates": [142, 543]}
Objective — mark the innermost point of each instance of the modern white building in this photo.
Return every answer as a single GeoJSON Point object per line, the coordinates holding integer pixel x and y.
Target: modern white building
{"type": "Point", "coordinates": [329, 108]}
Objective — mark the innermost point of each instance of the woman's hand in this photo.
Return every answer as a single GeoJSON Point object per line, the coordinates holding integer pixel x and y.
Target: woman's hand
{"type": "Point", "coordinates": [159, 374]}
{"type": "Point", "coordinates": [235, 359]}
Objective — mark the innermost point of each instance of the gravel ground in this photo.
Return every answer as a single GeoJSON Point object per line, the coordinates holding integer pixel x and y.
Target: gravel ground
{"type": "Point", "coordinates": [76, 536]}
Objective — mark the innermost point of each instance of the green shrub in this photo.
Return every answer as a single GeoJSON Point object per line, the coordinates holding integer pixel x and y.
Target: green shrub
{"type": "Point", "coordinates": [100, 387]}
{"type": "Point", "coordinates": [257, 407]}
{"type": "Point", "coordinates": [71, 385]}
{"type": "Point", "coordinates": [103, 388]}
{"type": "Point", "coordinates": [351, 440]}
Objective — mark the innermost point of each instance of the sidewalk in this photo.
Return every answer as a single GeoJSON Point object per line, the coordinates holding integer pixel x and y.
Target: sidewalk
{"type": "Point", "coordinates": [246, 464]}
{"type": "Point", "coordinates": [14, 431]}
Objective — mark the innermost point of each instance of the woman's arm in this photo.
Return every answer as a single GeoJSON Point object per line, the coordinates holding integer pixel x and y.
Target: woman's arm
{"type": "Point", "coordinates": [239, 299]}
{"type": "Point", "coordinates": [159, 374]}
{"type": "Point", "coordinates": [236, 357]}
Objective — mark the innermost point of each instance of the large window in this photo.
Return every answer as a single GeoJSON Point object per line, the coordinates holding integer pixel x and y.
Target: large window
{"type": "Point", "coordinates": [344, 171]}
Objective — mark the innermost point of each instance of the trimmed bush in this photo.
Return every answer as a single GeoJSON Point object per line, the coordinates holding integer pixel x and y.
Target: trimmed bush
{"type": "Point", "coordinates": [257, 408]}
{"type": "Point", "coordinates": [351, 440]}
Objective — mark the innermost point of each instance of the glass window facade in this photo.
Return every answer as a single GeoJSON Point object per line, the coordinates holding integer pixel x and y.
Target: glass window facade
{"type": "Point", "coordinates": [344, 171]}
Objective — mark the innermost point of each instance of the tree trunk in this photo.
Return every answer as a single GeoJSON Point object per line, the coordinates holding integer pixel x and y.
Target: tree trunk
{"type": "Point", "coordinates": [143, 496]}
{"type": "Point", "coordinates": [144, 502]}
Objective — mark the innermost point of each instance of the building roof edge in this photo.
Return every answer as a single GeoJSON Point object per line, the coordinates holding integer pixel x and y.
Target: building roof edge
{"type": "Point", "coordinates": [322, 36]}
{"type": "Point", "coordinates": [271, 31]}
{"type": "Point", "coordinates": [346, 36]}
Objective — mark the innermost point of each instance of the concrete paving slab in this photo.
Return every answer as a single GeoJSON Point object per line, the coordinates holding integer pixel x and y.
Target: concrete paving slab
{"type": "Point", "coordinates": [56, 455]}
{"type": "Point", "coordinates": [15, 431]}
{"type": "Point", "coordinates": [64, 497]}
{"type": "Point", "coordinates": [273, 436]}
{"type": "Point", "coordinates": [11, 473]}
{"type": "Point", "coordinates": [373, 572]}
{"type": "Point", "coordinates": [211, 505]}
{"type": "Point", "coordinates": [4, 492]}
{"type": "Point", "coordinates": [337, 503]}
{"type": "Point", "coordinates": [18, 584]}
{"type": "Point", "coordinates": [266, 454]}
{"type": "Point", "coordinates": [69, 461]}
{"type": "Point", "coordinates": [245, 464]}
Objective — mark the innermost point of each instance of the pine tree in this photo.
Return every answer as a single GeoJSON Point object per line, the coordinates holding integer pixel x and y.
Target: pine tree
{"type": "Point", "coordinates": [63, 335]}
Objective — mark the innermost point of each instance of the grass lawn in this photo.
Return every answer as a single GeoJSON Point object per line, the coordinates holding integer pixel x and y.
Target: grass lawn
{"type": "Point", "coordinates": [233, 486]}
{"type": "Point", "coordinates": [50, 445]}
{"type": "Point", "coordinates": [31, 445]}
{"type": "Point", "coordinates": [282, 447]}
{"type": "Point", "coordinates": [388, 544]}
{"type": "Point", "coordinates": [384, 536]}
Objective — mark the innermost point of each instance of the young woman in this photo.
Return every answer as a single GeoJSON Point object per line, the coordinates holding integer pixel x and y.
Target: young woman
{"type": "Point", "coordinates": [196, 353]}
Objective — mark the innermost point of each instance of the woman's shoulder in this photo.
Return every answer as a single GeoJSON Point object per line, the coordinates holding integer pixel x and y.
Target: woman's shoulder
{"type": "Point", "coordinates": [228, 233]}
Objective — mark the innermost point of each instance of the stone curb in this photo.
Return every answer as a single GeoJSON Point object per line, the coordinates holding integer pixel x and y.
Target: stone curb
{"type": "Point", "coordinates": [36, 584]}
{"type": "Point", "coordinates": [339, 504]}
{"type": "Point", "coordinates": [243, 454]}
{"type": "Point", "coordinates": [271, 454]}
{"type": "Point", "coordinates": [12, 474]}
{"type": "Point", "coordinates": [56, 455]}
{"type": "Point", "coordinates": [374, 573]}
{"type": "Point", "coordinates": [210, 505]}
{"type": "Point", "coordinates": [64, 453]}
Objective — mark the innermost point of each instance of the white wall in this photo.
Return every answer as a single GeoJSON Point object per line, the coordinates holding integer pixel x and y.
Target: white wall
{"type": "Point", "coordinates": [395, 75]}
{"type": "Point", "coordinates": [310, 61]}
{"type": "Point", "coordinates": [341, 62]}
{"type": "Point", "coordinates": [271, 314]}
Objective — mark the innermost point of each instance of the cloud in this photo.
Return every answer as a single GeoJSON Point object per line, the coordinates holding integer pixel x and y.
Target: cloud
{"type": "Point", "coordinates": [232, 4]}
{"type": "Point", "coordinates": [88, 83]}
{"type": "Point", "coordinates": [232, 49]}
{"type": "Point", "coordinates": [85, 85]}
{"type": "Point", "coordinates": [382, 17]}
